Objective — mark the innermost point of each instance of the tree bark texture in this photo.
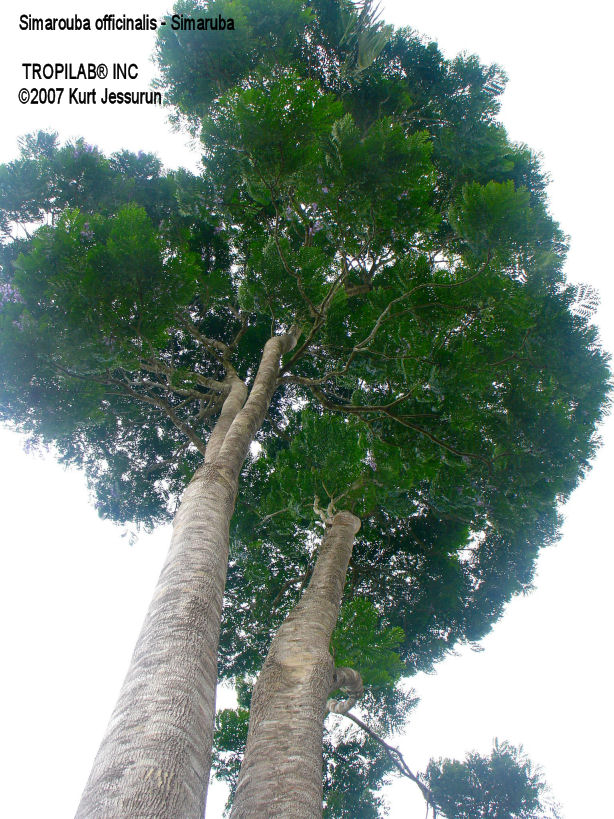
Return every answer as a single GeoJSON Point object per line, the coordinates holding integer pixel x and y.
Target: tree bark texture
{"type": "Point", "coordinates": [281, 774]}
{"type": "Point", "coordinates": [155, 757]}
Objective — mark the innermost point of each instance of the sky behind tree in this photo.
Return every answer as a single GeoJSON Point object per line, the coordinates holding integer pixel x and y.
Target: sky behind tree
{"type": "Point", "coordinates": [76, 592]}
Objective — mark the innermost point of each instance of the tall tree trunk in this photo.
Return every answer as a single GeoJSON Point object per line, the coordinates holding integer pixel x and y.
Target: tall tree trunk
{"type": "Point", "coordinates": [155, 757]}
{"type": "Point", "coordinates": [281, 774]}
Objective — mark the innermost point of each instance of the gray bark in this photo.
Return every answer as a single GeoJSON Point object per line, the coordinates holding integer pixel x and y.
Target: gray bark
{"type": "Point", "coordinates": [281, 774]}
{"type": "Point", "coordinates": [155, 757]}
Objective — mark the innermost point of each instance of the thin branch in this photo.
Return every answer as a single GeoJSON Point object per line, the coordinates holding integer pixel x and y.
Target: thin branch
{"type": "Point", "coordinates": [210, 343]}
{"type": "Point", "coordinates": [403, 296]}
{"type": "Point", "coordinates": [513, 355]}
{"type": "Point", "coordinates": [164, 369]}
{"type": "Point", "coordinates": [360, 347]}
{"type": "Point", "coordinates": [166, 461]}
{"type": "Point", "coordinates": [242, 317]}
{"type": "Point", "coordinates": [398, 760]}
{"type": "Point", "coordinates": [319, 321]}
{"type": "Point", "coordinates": [288, 584]}
{"type": "Point", "coordinates": [263, 520]}
{"type": "Point", "coordinates": [358, 410]}
{"type": "Point", "coordinates": [220, 351]}
{"type": "Point", "coordinates": [296, 276]}
{"type": "Point", "coordinates": [166, 408]}
{"type": "Point", "coordinates": [459, 453]}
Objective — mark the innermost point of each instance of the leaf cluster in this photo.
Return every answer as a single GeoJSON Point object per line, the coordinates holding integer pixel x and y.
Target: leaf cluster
{"type": "Point", "coordinates": [504, 785]}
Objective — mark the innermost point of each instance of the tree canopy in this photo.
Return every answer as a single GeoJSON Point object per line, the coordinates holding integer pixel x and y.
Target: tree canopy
{"type": "Point", "coordinates": [446, 384]}
{"type": "Point", "coordinates": [504, 785]}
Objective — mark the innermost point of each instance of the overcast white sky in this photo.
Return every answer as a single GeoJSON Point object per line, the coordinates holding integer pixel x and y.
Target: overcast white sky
{"type": "Point", "coordinates": [74, 592]}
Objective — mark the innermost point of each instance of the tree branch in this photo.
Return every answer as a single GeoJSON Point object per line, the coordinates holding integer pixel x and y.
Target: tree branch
{"type": "Point", "coordinates": [164, 369]}
{"type": "Point", "coordinates": [288, 584]}
{"type": "Point", "coordinates": [166, 408]}
{"type": "Point", "coordinates": [362, 410]}
{"type": "Point", "coordinates": [349, 680]}
{"type": "Point", "coordinates": [398, 760]}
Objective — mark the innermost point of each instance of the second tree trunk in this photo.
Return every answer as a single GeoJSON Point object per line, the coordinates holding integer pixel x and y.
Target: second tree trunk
{"type": "Point", "coordinates": [281, 774]}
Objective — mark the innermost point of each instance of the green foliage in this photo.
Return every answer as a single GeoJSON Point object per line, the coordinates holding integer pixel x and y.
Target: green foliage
{"type": "Point", "coordinates": [447, 383]}
{"type": "Point", "coordinates": [354, 769]}
{"type": "Point", "coordinates": [228, 746]}
{"type": "Point", "coordinates": [196, 70]}
{"type": "Point", "coordinates": [100, 257]}
{"type": "Point", "coordinates": [101, 285]}
{"type": "Point", "coordinates": [48, 178]}
{"type": "Point", "coordinates": [490, 215]}
{"type": "Point", "coordinates": [325, 38]}
{"type": "Point", "coordinates": [359, 642]}
{"type": "Point", "coordinates": [504, 785]}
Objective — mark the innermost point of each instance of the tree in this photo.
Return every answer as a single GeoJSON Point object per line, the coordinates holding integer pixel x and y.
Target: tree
{"type": "Point", "coordinates": [91, 364]}
{"type": "Point", "coordinates": [362, 210]}
{"type": "Point", "coordinates": [501, 786]}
